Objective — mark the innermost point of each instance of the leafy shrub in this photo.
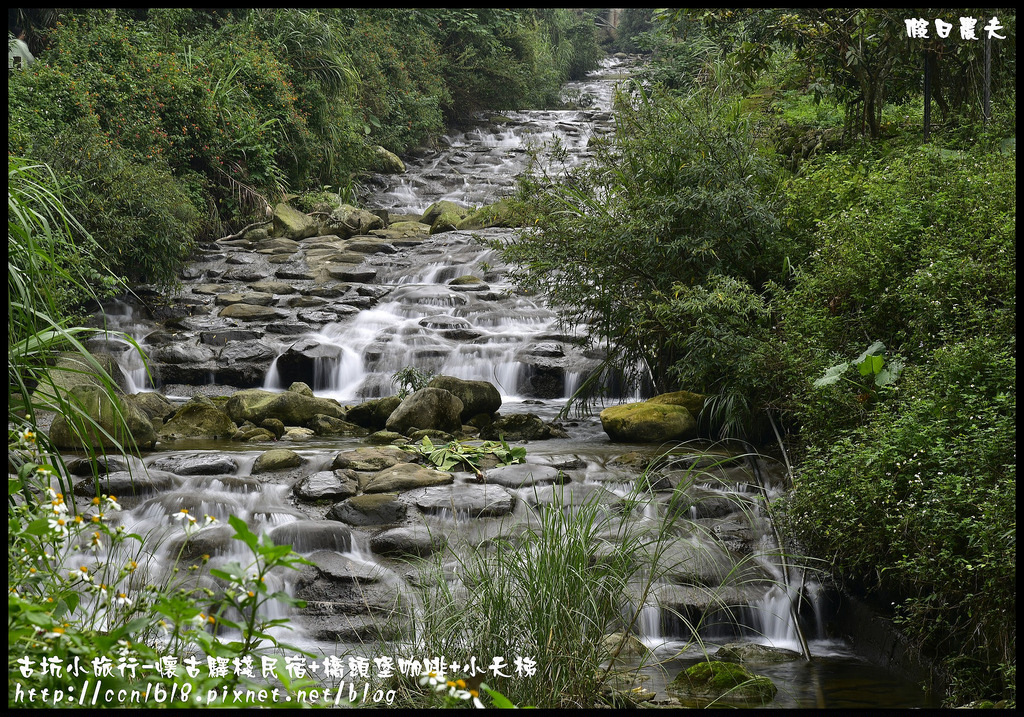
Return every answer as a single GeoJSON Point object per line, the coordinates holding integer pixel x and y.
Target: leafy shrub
{"type": "Point", "coordinates": [664, 243]}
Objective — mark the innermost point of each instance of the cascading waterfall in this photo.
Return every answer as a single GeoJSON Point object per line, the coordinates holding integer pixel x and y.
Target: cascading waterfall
{"type": "Point", "coordinates": [420, 313]}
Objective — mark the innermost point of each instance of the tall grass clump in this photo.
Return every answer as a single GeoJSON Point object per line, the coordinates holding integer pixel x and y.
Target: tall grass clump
{"type": "Point", "coordinates": [550, 594]}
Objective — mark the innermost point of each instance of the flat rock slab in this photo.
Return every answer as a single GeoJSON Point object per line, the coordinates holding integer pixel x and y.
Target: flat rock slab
{"type": "Point", "coordinates": [333, 485]}
{"type": "Point", "coordinates": [196, 465]}
{"type": "Point", "coordinates": [477, 501]}
{"type": "Point", "coordinates": [405, 476]}
{"type": "Point", "coordinates": [524, 474]}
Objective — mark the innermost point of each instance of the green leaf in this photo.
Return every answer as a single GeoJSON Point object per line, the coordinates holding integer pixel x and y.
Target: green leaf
{"type": "Point", "coordinates": [832, 375]}
{"type": "Point", "coordinates": [871, 365]}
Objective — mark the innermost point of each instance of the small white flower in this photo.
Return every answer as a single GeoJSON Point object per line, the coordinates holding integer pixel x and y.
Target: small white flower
{"type": "Point", "coordinates": [434, 680]}
{"type": "Point", "coordinates": [55, 633]}
{"type": "Point", "coordinates": [112, 503]}
{"type": "Point", "coordinates": [122, 600]}
{"type": "Point", "coordinates": [183, 516]}
{"type": "Point", "coordinates": [58, 525]}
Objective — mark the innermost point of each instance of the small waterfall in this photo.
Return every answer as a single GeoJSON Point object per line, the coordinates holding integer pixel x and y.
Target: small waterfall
{"type": "Point", "coordinates": [120, 317]}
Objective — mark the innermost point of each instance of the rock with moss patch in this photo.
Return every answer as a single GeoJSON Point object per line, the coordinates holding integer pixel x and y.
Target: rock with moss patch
{"type": "Point", "coordinates": [724, 683]}
{"type": "Point", "coordinates": [648, 423]}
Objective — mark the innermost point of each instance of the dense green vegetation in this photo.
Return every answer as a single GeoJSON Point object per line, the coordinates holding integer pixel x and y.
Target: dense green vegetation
{"type": "Point", "coordinates": [167, 125]}
{"type": "Point", "coordinates": [766, 215]}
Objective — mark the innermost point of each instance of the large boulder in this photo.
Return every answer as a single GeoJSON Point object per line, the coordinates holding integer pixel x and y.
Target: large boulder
{"type": "Point", "coordinates": [290, 407]}
{"type": "Point", "coordinates": [198, 418]}
{"type": "Point", "coordinates": [648, 423]}
{"type": "Point", "coordinates": [118, 420]}
{"type": "Point", "coordinates": [374, 413]}
{"type": "Point", "coordinates": [290, 223]}
{"type": "Point", "coordinates": [499, 214]}
{"type": "Point", "coordinates": [71, 369]}
{"type": "Point", "coordinates": [477, 396]}
{"type": "Point", "coordinates": [443, 216]}
{"type": "Point", "coordinates": [386, 162]}
{"type": "Point", "coordinates": [428, 408]}
{"type": "Point", "coordinates": [405, 476]}
{"type": "Point", "coordinates": [693, 402]}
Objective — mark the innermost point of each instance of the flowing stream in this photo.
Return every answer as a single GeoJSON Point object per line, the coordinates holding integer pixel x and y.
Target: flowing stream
{"type": "Point", "coordinates": [399, 303]}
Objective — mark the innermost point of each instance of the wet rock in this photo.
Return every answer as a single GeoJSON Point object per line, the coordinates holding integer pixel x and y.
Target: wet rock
{"type": "Point", "coordinates": [476, 396]}
{"type": "Point", "coordinates": [155, 405]}
{"type": "Point", "coordinates": [722, 683]}
{"type": "Point", "coordinates": [277, 459]}
{"type": "Point", "coordinates": [199, 464]}
{"type": "Point", "coordinates": [369, 509]}
{"type": "Point", "coordinates": [573, 494]}
{"type": "Point", "coordinates": [115, 416]}
{"type": "Point", "coordinates": [747, 652]}
{"type": "Point", "coordinates": [648, 423]}
{"type": "Point", "coordinates": [274, 426]}
{"type": "Point", "coordinates": [381, 438]}
{"type": "Point", "coordinates": [524, 474]}
{"type": "Point", "coordinates": [405, 476]}
{"type": "Point", "coordinates": [406, 541]}
{"type": "Point", "coordinates": [521, 427]}
{"type": "Point", "coordinates": [102, 464]}
{"type": "Point", "coordinates": [297, 434]}
{"type": "Point", "coordinates": [250, 312]}
{"type": "Point", "coordinates": [371, 459]}
{"type": "Point", "coordinates": [373, 414]}
{"type": "Point", "coordinates": [269, 286]}
{"type": "Point", "coordinates": [693, 402]}
{"type": "Point", "coordinates": [125, 485]}
{"type": "Point", "coordinates": [334, 485]}
{"type": "Point", "coordinates": [181, 353]}
{"type": "Point", "coordinates": [308, 535]}
{"type": "Point", "coordinates": [289, 407]}
{"type": "Point", "coordinates": [198, 418]}
{"type": "Point", "coordinates": [428, 408]}
{"type": "Point", "coordinates": [468, 499]}
{"type": "Point", "coordinates": [329, 426]}
{"type": "Point", "coordinates": [221, 338]}
{"type": "Point", "coordinates": [206, 542]}
{"type": "Point", "coordinates": [293, 224]}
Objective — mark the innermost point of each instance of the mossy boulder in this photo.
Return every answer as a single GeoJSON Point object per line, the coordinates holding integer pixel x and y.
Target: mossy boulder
{"type": "Point", "coordinates": [291, 408]}
{"type": "Point", "coordinates": [693, 402]}
{"type": "Point", "coordinates": [347, 221]}
{"type": "Point", "coordinates": [386, 162]}
{"type": "Point", "coordinates": [110, 418]}
{"type": "Point", "coordinates": [198, 418]}
{"type": "Point", "coordinates": [444, 216]}
{"type": "Point", "coordinates": [428, 408]}
{"type": "Point", "coordinates": [477, 396]}
{"type": "Point", "coordinates": [292, 224]}
{"type": "Point", "coordinates": [722, 683]}
{"type": "Point", "coordinates": [373, 414]}
{"type": "Point", "coordinates": [648, 422]}
{"type": "Point", "coordinates": [499, 214]}
{"type": "Point", "coordinates": [277, 459]}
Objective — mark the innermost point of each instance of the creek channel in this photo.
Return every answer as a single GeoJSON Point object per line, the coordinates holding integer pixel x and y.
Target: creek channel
{"type": "Point", "coordinates": [344, 317]}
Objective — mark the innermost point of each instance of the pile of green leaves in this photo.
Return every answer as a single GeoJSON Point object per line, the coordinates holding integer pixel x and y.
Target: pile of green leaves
{"type": "Point", "coordinates": [458, 453]}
